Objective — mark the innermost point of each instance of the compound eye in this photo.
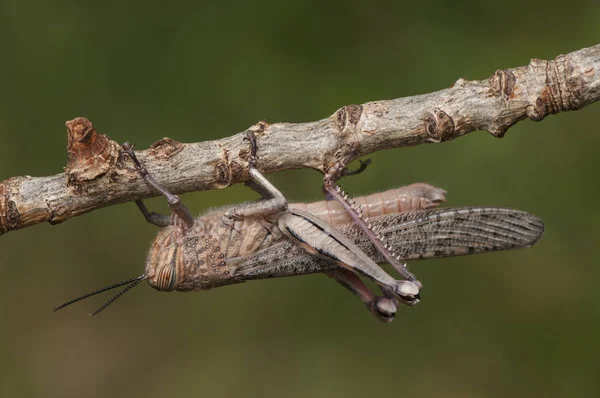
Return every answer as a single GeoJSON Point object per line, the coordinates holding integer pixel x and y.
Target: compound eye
{"type": "Point", "coordinates": [166, 278]}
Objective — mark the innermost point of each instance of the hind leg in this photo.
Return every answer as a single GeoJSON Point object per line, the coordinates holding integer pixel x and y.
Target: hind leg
{"type": "Point", "coordinates": [384, 308]}
{"type": "Point", "coordinates": [329, 185]}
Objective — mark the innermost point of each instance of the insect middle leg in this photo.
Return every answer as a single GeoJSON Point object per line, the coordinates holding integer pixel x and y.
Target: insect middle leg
{"type": "Point", "coordinates": [272, 201]}
{"type": "Point", "coordinates": [179, 209]}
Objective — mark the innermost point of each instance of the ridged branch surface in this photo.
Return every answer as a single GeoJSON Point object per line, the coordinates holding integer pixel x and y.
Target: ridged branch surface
{"type": "Point", "coordinates": [97, 176]}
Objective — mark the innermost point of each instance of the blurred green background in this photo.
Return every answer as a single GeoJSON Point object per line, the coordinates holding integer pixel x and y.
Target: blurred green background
{"type": "Point", "coordinates": [520, 324]}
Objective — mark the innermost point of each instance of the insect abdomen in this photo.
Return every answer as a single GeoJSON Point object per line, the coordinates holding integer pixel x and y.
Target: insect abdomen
{"type": "Point", "coordinates": [419, 196]}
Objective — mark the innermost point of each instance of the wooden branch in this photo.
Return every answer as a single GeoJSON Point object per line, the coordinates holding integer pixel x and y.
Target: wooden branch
{"type": "Point", "coordinates": [97, 176]}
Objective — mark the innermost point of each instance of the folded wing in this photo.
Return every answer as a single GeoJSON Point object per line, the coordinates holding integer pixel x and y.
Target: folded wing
{"type": "Point", "coordinates": [415, 235]}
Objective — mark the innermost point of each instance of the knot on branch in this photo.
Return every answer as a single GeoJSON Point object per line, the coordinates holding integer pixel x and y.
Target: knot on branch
{"type": "Point", "coordinates": [347, 118]}
{"type": "Point", "coordinates": [10, 218]}
{"type": "Point", "coordinates": [228, 173]}
{"type": "Point", "coordinates": [90, 155]}
{"type": "Point", "coordinates": [439, 125]}
{"type": "Point", "coordinates": [461, 82]}
{"type": "Point", "coordinates": [165, 148]}
{"type": "Point", "coordinates": [562, 90]}
{"type": "Point", "coordinates": [502, 83]}
{"type": "Point", "coordinates": [538, 111]}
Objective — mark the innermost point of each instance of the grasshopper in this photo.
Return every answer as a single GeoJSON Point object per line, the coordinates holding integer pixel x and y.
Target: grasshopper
{"type": "Point", "coordinates": [342, 238]}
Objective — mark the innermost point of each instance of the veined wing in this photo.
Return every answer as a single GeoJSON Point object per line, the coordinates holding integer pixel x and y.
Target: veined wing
{"type": "Point", "coordinates": [451, 232]}
{"type": "Point", "coordinates": [414, 235]}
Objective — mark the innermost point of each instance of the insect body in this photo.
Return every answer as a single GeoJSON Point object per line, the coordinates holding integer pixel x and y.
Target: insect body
{"type": "Point", "coordinates": [211, 252]}
{"type": "Point", "coordinates": [268, 238]}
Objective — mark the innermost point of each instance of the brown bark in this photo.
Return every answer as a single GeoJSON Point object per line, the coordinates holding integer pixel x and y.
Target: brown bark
{"type": "Point", "coordinates": [97, 176]}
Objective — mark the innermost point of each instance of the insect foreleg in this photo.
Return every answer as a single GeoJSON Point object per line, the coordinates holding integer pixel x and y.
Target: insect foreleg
{"type": "Point", "coordinates": [160, 220]}
{"type": "Point", "coordinates": [383, 308]}
{"type": "Point", "coordinates": [174, 202]}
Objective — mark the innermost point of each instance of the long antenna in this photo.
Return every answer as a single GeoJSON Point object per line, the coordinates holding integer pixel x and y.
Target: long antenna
{"type": "Point", "coordinates": [122, 292]}
{"type": "Point", "coordinates": [132, 282]}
